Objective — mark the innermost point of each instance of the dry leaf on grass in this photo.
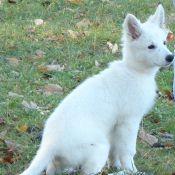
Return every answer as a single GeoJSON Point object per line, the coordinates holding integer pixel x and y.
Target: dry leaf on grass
{"type": "Point", "coordinates": [38, 136]}
{"type": "Point", "coordinates": [3, 134]}
{"type": "Point", "coordinates": [28, 129]}
{"type": "Point", "coordinates": [52, 88]}
{"type": "Point", "coordinates": [7, 159]}
{"type": "Point", "coordinates": [11, 94]}
{"type": "Point", "coordinates": [96, 63]}
{"type": "Point", "coordinates": [16, 74]}
{"type": "Point", "coordinates": [12, 146]}
{"type": "Point", "coordinates": [38, 21]}
{"type": "Point", "coordinates": [40, 53]}
{"type": "Point", "coordinates": [30, 105]}
{"type": "Point", "coordinates": [2, 121]}
{"type": "Point", "coordinates": [30, 29]}
{"type": "Point", "coordinates": [83, 23]}
{"type": "Point", "coordinates": [115, 49]}
{"type": "Point", "coordinates": [78, 15]}
{"type": "Point", "coordinates": [166, 136]}
{"type": "Point", "coordinates": [23, 128]}
{"type": "Point", "coordinates": [150, 139]}
{"type": "Point", "coordinates": [76, 1]}
{"type": "Point", "coordinates": [55, 67]}
{"type": "Point", "coordinates": [44, 68]}
{"type": "Point", "coordinates": [169, 94]}
{"type": "Point", "coordinates": [69, 9]}
{"type": "Point", "coordinates": [73, 34]}
{"type": "Point", "coordinates": [56, 38]}
{"type": "Point", "coordinates": [110, 47]}
{"type": "Point", "coordinates": [170, 36]}
{"type": "Point", "coordinates": [13, 60]}
{"type": "Point", "coordinates": [11, 2]}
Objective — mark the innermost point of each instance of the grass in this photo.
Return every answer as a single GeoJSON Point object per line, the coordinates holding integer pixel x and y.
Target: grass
{"type": "Point", "coordinates": [17, 42]}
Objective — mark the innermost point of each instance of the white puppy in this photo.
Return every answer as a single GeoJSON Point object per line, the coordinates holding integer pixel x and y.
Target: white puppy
{"type": "Point", "coordinates": [99, 120]}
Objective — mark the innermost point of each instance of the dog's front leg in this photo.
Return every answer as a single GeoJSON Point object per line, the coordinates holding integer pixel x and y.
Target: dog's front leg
{"type": "Point", "coordinates": [123, 144]}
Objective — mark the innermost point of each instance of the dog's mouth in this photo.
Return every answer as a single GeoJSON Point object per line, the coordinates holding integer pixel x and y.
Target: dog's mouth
{"type": "Point", "coordinates": [165, 65]}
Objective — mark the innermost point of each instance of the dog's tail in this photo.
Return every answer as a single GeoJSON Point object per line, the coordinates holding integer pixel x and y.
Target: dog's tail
{"type": "Point", "coordinates": [40, 162]}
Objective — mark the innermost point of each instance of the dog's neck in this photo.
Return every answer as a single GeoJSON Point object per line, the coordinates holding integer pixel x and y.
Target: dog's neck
{"type": "Point", "coordinates": [137, 67]}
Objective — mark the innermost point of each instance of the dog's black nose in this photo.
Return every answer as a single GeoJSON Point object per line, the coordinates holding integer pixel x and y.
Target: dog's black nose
{"type": "Point", "coordinates": [169, 58]}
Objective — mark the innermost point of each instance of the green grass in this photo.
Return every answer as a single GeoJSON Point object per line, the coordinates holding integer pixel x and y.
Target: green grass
{"type": "Point", "coordinates": [107, 19]}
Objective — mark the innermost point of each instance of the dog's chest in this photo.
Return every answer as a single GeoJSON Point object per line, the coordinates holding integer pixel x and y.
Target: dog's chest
{"type": "Point", "coordinates": [136, 95]}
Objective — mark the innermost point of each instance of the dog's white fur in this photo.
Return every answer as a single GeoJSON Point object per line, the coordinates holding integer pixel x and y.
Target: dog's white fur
{"type": "Point", "coordinates": [99, 120]}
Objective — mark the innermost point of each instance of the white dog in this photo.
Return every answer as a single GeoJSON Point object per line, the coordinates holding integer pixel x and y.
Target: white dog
{"type": "Point", "coordinates": [100, 119]}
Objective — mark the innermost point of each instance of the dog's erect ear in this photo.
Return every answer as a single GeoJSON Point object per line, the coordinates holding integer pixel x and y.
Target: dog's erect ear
{"type": "Point", "coordinates": [132, 27]}
{"type": "Point", "coordinates": [158, 17]}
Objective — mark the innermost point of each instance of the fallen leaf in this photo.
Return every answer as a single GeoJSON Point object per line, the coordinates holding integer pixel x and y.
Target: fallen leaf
{"type": "Point", "coordinates": [11, 2]}
{"type": "Point", "coordinates": [156, 120]}
{"type": "Point", "coordinates": [96, 63]}
{"type": "Point", "coordinates": [85, 33]}
{"type": "Point", "coordinates": [23, 128]}
{"type": "Point", "coordinates": [73, 34]}
{"type": "Point", "coordinates": [55, 67]}
{"type": "Point", "coordinates": [38, 21]}
{"type": "Point", "coordinates": [110, 45]}
{"type": "Point", "coordinates": [83, 23]}
{"type": "Point", "coordinates": [12, 145]}
{"type": "Point", "coordinates": [81, 55]}
{"type": "Point", "coordinates": [52, 88]}
{"type": "Point", "coordinates": [76, 1]}
{"type": "Point", "coordinates": [30, 29]}
{"type": "Point", "coordinates": [3, 134]}
{"type": "Point", "coordinates": [69, 9]}
{"type": "Point", "coordinates": [32, 129]}
{"type": "Point", "coordinates": [47, 76]}
{"type": "Point", "coordinates": [115, 49]}
{"type": "Point", "coordinates": [2, 121]}
{"type": "Point", "coordinates": [7, 159]}
{"type": "Point", "coordinates": [158, 145]}
{"type": "Point", "coordinates": [170, 36]}
{"type": "Point", "coordinates": [169, 95]}
{"type": "Point", "coordinates": [12, 60]}
{"type": "Point", "coordinates": [38, 136]}
{"type": "Point", "coordinates": [45, 3]}
{"type": "Point", "coordinates": [16, 74]}
{"type": "Point", "coordinates": [30, 105]}
{"type": "Point", "coordinates": [55, 38]}
{"type": "Point", "coordinates": [40, 53]}
{"type": "Point", "coordinates": [169, 145]}
{"type": "Point", "coordinates": [78, 15]}
{"type": "Point", "coordinates": [150, 139]}
{"type": "Point", "coordinates": [11, 94]}
{"type": "Point", "coordinates": [42, 68]}
{"type": "Point", "coordinates": [166, 135]}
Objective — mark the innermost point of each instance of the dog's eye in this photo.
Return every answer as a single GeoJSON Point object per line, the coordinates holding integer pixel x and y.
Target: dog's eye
{"type": "Point", "coordinates": [151, 47]}
{"type": "Point", "coordinates": [164, 42]}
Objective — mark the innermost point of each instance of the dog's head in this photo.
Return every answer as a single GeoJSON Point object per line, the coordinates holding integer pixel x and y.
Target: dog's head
{"type": "Point", "coordinates": [145, 43]}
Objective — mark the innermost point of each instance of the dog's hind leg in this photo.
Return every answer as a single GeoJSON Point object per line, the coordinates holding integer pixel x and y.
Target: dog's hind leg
{"type": "Point", "coordinates": [41, 161]}
{"type": "Point", "coordinates": [97, 158]}
{"type": "Point", "coordinates": [52, 168]}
